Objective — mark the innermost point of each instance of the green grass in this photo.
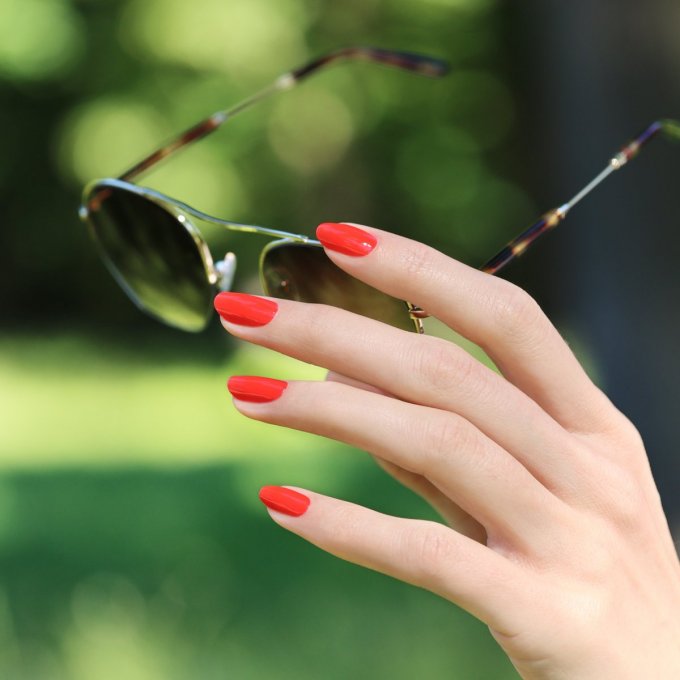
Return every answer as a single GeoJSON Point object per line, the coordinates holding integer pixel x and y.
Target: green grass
{"type": "Point", "coordinates": [133, 546]}
{"type": "Point", "coordinates": [152, 575]}
{"type": "Point", "coordinates": [69, 401]}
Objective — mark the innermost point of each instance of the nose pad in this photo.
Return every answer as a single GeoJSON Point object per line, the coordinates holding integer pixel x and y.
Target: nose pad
{"type": "Point", "coordinates": [226, 269]}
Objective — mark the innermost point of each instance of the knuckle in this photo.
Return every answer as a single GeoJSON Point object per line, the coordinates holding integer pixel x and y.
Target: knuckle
{"type": "Point", "coordinates": [630, 434]}
{"type": "Point", "coordinates": [445, 435]}
{"type": "Point", "coordinates": [317, 320]}
{"type": "Point", "coordinates": [440, 365]}
{"type": "Point", "coordinates": [622, 497]}
{"type": "Point", "coordinates": [516, 316]}
{"type": "Point", "coordinates": [430, 548]}
{"type": "Point", "coordinates": [347, 525]}
{"type": "Point", "coordinates": [626, 435]}
{"type": "Point", "coordinates": [419, 260]}
{"type": "Point", "coordinates": [626, 506]}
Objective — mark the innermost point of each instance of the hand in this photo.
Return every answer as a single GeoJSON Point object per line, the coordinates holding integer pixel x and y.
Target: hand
{"type": "Point", "coordinates": [557, 538]}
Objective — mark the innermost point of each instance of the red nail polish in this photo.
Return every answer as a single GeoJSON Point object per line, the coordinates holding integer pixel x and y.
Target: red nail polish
{"type": "Point", "coordinates": [254, 389]}
{"type": "Point", "coordinates": [346, 239]}
{"type": "Point", "coordinates": [284, 500]}
{"type": "Point", "coordinates": [245, 310]}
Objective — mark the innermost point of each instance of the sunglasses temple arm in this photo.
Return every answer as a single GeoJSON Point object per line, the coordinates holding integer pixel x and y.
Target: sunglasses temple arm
{"type": "Point", "coordinates": [552, 218]}
{"type": "Point", "coordinates": [416, 63]}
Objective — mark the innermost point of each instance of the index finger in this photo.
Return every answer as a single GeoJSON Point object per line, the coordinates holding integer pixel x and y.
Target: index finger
{"type": "Point", "coordinates": [493, 313]}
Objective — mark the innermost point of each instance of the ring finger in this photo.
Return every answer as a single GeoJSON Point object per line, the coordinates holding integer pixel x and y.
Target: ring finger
{"type": "Point", "coordinates": [452, 513]}
{"type": "Point", "coordinates": [458, 459]}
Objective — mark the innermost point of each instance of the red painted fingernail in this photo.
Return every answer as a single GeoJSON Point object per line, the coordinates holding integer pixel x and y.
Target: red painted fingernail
{"type": "Point", "coordinates": [255, 389]}
{"type": "Point", "coordinates": [284, 500]}
{"type": "Point", "coordinates": [346, 239]}
{"type": "Point", "coordinates": [245, 310]}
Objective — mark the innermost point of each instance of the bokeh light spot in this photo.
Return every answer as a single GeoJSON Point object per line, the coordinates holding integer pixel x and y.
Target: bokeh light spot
{"type": "Point", "coordinates": [38, 38]}
{"type": "Point", "coordinates": [311, 132]}
{"type": "Point", "coordinates": [105, 137]}
{"type": "Point", "coordinates": [241, 38]}
{"type": "Point", "coordinates": [205, 180]}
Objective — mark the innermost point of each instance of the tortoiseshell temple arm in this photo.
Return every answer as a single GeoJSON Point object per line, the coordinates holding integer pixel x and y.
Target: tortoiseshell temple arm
{"type": "Point", "coordinates": [408, 61]}
{"type": "Point", "coordinates": [416, 63]}
{"type": "Point", "coordinates": [516, 247]}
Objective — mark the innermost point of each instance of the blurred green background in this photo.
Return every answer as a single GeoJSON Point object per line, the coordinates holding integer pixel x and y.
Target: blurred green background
{"type": "Point", "coordinates": [132, 543]}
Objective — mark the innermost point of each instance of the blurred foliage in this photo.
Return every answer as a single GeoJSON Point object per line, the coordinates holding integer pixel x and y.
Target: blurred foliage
{"type": "Point", "coordinates": [152, 565]}
{"type": "Point", "coordinates": [150, 575]}
{"type": "Point", "coordinates": [90, 87]}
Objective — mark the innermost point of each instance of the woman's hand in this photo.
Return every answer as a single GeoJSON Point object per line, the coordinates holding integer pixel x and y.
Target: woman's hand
{"type": "Point", "coordinates": [557, 538]}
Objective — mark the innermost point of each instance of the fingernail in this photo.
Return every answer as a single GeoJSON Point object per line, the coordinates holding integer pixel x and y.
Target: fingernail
{"type": "Point", "coordinates": [284, 500]}
{"type": "Point", "coordinates": [245, 310]}
{"type": "Point", "coordinates": [346, 239]}
{"type": "Point", "coordinates": [255, 389]}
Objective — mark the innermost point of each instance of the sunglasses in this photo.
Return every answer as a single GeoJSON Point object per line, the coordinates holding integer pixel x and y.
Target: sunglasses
{"type": "Point", "coordinates": [151, 246]}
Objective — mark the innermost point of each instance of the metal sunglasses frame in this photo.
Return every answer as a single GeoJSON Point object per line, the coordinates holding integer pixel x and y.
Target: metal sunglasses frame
{"type": "Point", "coordinates": [220, 274]}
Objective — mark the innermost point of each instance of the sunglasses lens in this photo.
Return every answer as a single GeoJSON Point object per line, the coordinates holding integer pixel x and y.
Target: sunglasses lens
{"type": "Point", "coordinates": [295, 271]}
{"type": "Point", "coordinates": [152, 255]}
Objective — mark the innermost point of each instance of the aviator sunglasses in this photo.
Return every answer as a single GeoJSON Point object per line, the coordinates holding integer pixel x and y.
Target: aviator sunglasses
{"type": "Point", "coordinates": [150, 244]}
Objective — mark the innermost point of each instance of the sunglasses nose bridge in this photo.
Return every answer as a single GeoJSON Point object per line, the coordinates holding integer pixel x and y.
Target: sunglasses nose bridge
{"type": "Point", "coordinates": [225, 270]}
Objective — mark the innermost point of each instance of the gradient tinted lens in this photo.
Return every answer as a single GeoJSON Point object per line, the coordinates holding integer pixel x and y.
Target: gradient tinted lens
{"type": "Point", "coordinates": [152, 255]}
{"type": "Point", "coordinates": [303, 272]}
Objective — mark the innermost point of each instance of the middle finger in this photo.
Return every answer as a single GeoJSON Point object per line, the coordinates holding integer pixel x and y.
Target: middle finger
{"type": "Point", "coordinates": [452, 513]}
{"type": "Point", "coordinates": [414, 368]}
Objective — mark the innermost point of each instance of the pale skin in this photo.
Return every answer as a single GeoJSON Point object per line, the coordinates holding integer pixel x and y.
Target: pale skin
{"type": "Point", "coordinates": [555, 535]}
